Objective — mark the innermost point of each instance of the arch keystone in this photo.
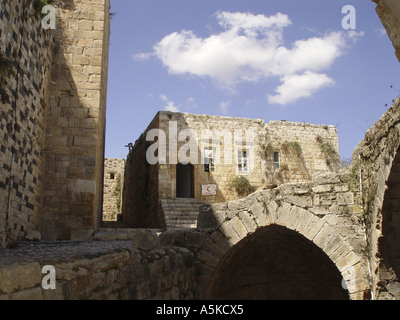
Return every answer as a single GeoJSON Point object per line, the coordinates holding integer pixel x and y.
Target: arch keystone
{"type": "Point", "coordinates": [304, 222]}
{"type": "Point", "coordinates": [282, 214]}
{"type": "Point", "coordinates": [260, 214]}
{"type": "Point", "coordinates": [248, 221]}
{"type": "Point", "coordinates": [294, 217]}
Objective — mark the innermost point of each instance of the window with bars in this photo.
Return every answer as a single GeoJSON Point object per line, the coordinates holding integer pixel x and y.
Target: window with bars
{"type": "Point", "coordinates": [276, 160]}
{"type": "Point", "coordinates": [209, 163]}
{"type": "Point", "coordinates": [243, 163]}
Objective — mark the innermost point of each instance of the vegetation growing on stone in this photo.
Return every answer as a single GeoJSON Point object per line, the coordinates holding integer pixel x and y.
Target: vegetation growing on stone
{"type": "Point", "coordinates": [241, 185]}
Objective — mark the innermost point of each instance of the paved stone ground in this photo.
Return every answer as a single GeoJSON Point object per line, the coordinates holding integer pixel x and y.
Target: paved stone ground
{"type": "Point", "coordinates": [49, 252]}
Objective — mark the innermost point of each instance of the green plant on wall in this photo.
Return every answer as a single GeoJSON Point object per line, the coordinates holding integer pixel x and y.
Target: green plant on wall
{"type": "Point", "coordinates": [353, 177]}
{"type": "Point", "coordinates": [295, 147]}
{"type": "Point", "coordinates": [326, 147]}
{"type": "Point", "coordinates": [328, 150]}
{"type": "Point", "coordinates": [39, 4]}
{"type": "Point", "coordinates": [292, 147]}
{"type": "Point", "coordinates": [266, 150]}
{"type": "Point", "coordinates": [241, 185]}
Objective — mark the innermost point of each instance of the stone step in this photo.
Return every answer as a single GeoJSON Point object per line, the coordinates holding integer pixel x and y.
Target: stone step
{"type": "Point", "coordinates": [111, 234]}
{"type": "Point", "coordinates": [181, 212]}
{"type": "Point", "coordinates": [180, 216]}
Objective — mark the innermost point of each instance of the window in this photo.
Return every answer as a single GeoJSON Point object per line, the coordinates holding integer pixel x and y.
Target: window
{"type": "Point", "coordinates": [209, 163]}
{"type": "Point", "coordinates": [276, 160]}
{"type": "Point", "coordinates": [112, 176]}
{"type": "Point", "coordinates": [243, 161]}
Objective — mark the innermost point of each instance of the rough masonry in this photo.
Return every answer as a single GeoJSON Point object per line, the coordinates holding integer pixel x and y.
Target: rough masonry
{"type": "Point", "coordinates": [333, 237]}
{"type": "Point", "coordinates": [53, 119]}
{"type": "Point", "coordinates": [221, 150]}
{"type": "Point", "coordinates": [112, 188]}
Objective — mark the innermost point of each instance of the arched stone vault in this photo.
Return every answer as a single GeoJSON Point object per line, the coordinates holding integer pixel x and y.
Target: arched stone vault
{"type": "Point", "coordinates": [378, 154]}
{"type": "Point", "coordinates": [335, 233]}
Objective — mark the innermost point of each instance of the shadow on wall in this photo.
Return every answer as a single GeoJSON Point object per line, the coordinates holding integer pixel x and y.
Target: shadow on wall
{"type": "Point", "coordinates": [390, 242]}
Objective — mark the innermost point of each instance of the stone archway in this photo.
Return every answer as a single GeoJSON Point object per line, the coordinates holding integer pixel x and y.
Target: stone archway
{"type": "Point", "coordinates": [275, 263]}
{"type": "Point", "coordinates": [379, 159]}
{"type": "Point", "coordinates": [239, 222]}
{"type": "Point", "coordinates": [389, 242]}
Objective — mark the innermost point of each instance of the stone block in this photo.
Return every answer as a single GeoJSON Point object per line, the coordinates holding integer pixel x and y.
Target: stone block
{"type": "Point", "coordinates": [229, 232]}
{"type": "Point", "coordinates": [146, 239]}
{"type": "Point", "coordinates": [282, 214]}
{"type": "Point", "coordinates": [207, 258]}
{"type": "Point", "coordinates": [313, 228]}
{"type": "Point", "coordinates": [260, 213]}
{"type": "Point", "coordinates": [219, 238]}
{"type": "Point", "coordinates": [248, 221]}
{"type": "Point", "coordinates": [325, 234]}
{"type": "Point", "coordinates": [304, 222]}
{"type": "Point", "coordinates": [19, 277]}
{"type": "Point", "coordinates": [294, 217]}
{"type": "Point", "coordinates": [238, 226]}
{"type": "Point", "coordinates": [347, 261]}
{"type": "Point", "coordinates": [81, 235]}
{"type": "Point", "coordinates": [28, 294]}
{"type": "Point", "coordinates": [322, 188]}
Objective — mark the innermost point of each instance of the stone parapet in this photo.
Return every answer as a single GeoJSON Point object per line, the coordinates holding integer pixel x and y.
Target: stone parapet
{"type": "Point", "coordinates": [97, 270]}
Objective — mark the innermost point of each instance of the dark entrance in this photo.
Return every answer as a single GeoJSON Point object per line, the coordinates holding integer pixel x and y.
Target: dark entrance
{"type": "Point", "coordinates": [184, 181]}
{"type": "Point", "coordinates": [275, 263]}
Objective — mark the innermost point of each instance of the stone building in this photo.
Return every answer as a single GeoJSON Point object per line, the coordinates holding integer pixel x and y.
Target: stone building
{"type": "Point", "coordinates": [112, 188]}
{"type": "Point", "coordinates": [213, 159]}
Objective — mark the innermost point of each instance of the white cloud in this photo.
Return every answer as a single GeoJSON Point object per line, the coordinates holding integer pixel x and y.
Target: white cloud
{"type": "Point", "coordinates": [250, 48]}
{"type": "Point", "coordinates": [170, 104]}
{"type": "Point", "coordinates": [224, 107]}
{"type": "Point", "coordinates": [297, 86]}
{"type": "Point", "coordinates": [142, 56]}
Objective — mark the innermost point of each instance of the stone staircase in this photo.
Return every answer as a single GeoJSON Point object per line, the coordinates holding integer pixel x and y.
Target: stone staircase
{"type": "Point", "coordinates": [181, 212]}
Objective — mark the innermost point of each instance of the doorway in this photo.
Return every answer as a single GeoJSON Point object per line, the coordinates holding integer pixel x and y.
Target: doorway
{"type": "Point", "coordinates": [184, 181]}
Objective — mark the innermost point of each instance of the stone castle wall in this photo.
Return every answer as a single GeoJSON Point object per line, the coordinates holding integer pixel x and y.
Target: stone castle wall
{"type": "Point", "coordinates": [305, 150]}
{"type": "Point", "coordinates": [112, 190]}
{"type": "Point", "coordinates": [140, 191]}
{"type": "Point", "coordinates": [74, 151]}
{"type": "Point", "coordinates": [24, 104]}
{"type": "Point", "coordinates": [53, 119]}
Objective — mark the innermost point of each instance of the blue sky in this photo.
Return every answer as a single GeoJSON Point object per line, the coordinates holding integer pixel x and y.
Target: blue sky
{"type": "Point", "coordinates": [273, 60]}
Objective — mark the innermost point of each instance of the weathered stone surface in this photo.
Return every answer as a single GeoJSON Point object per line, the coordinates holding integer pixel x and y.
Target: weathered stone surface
{"type": "Point", "coordinates": [103, 270]}
{"type": "Point", "coordinates": [112, 188]}
{"type": "Point", "coordinates": [19, 277]}
{"type": "Point", "coordinates": [146, 239]}
{"type": "Point", "coordinates": [33, 235]}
